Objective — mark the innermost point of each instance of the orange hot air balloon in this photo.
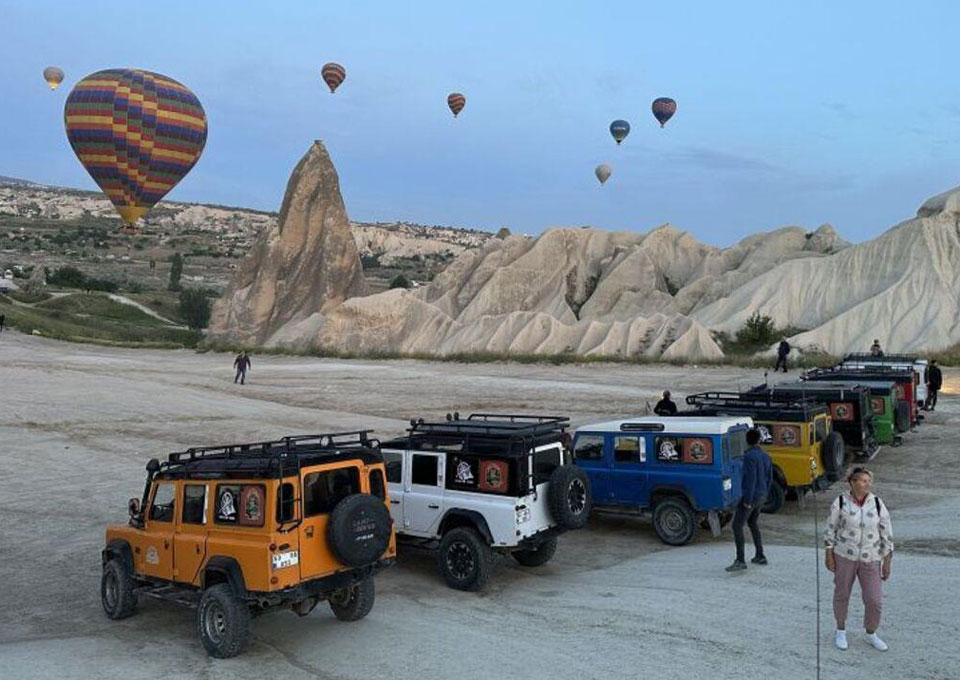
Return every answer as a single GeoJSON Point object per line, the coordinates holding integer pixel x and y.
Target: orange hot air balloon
{"type": "Point", "coordinates": [53, 76]}
{"type": "Point", "coordinates": [137, 133]}
{"type": "Point", "coordinates": [333, 74]}
{"type": "Point", "coordinates": [456, 102]}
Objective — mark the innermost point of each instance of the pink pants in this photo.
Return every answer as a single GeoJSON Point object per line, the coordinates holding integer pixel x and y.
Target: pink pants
{"type": "Point", "coordinates": [871, 588]}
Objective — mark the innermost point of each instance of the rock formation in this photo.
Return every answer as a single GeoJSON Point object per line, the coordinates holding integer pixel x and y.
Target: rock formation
{"type": "Point", "coordinates": [307, 263]}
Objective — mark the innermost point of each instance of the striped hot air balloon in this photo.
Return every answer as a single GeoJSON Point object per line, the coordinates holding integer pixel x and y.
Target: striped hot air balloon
{"type": "Point", "coordinates": [333, 74]}
{"type": "Point", "coordinates": [619, 129]}
{"type": "Point", "coordinates": [53, 76]}
{"type": "Point", "coordinates": [663, 109]}
{"type": "Point", "coordinates": [137, 133]}
{"type": "Point", "coordinates": [456, 102]}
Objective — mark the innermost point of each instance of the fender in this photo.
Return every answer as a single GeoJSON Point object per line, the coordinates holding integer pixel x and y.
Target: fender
{"type": "Point", "coordinates": [663, 490]}
{"type": "Point", "coordinates": [460, 517]}
{"type": "Point", "coordinates": [229, 569]}
{"type": "Point", "coordinates": [118, 549]}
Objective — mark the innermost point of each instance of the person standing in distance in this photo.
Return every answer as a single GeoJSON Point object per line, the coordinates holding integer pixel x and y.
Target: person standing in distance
{"type": "Point", "coordinates": [666, 406]}
{"type": "Point", "coordinates": [875, 350]}
{"type": "Point", "coordinates": [242, 364]}
{"type": "Point", "coordinates": [859, 546]}
{"type": "Point", "coordinates": [934, 383]}
{"type": "Point", "coordinates": [757, 476]}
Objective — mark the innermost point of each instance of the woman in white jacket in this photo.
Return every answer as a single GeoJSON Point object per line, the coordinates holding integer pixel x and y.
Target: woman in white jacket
{"type": "Point", "coordinates": [859, 546]}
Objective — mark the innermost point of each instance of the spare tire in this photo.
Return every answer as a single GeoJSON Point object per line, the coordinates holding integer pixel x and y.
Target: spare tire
{"type": "Point", "coordinates": [569, 497]}
{"type": "Point", "coordinates": [359, 529]}
{"type": "Point", "coordinates": [833, 454]}
{"type": "Point", "coordinates": [901, 417]}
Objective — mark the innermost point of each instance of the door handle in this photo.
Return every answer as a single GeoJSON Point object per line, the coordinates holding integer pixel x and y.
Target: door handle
{"type": "Point", "coordinates": [433, 506]}
{"type": "Point", "coordinates": [309, 532]}
{"type": "Point", "coordinates": [166, 544]}
{"type": "Point", "coordinates": [394, 501]}
{"type": "Point", "coordinates": [198, 549]}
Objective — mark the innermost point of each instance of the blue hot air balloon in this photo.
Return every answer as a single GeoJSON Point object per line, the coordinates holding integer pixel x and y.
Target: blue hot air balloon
{"type": "Point", "coordinates": [619, 129]}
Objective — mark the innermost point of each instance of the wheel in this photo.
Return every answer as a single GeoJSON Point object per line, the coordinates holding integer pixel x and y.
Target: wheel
{"type": "Point", "coordinates": [901, 417]}
{"type": "Point", "coordinates": [358, 529]}
{"type": "Point", "coordinates": [355, 601]}
{"type": "Point", "coordinates": [569, 497]}
{"type": "Point", "coordinates": [539, 556]}
{"type": "Point", "coordinates": [673, 521]}
{"type": "Point", "coordinates": [223, 622]}
{"type": "Point", "coordinates": [775, 498]}
{"type": "Point", "coordinates": [116, 590]}
{"type": "Point", "coordinates": [464, 559]}
{"type": "Point", "coordinates": [833, 453]}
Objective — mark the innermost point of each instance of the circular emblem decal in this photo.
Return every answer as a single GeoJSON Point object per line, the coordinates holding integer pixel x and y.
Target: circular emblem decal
{"type": "Point", "coordinates": [698, 450]}
{"type": "Point", "coordinates": [842, 411]}
{"type": "Point", "coordinates": [788, 436]}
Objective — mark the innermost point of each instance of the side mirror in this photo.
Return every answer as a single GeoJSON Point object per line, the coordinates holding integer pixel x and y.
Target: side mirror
{"type": "Point", "coordinates": [133, 507]}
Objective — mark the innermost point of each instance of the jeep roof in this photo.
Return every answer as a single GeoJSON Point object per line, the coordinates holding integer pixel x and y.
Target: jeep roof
{"type": "Point", "coordinates": [866, 357]}
{"type": "Point", "coordinates": [685, 424]}
{"type": "Point", "coordinates": [508, 434]}
{"type": "Point", "coordinates": [760, 406]}
{"type": "Point", "coordinates": [843, 391]}
{"type": "Point", "coordinates": [877, 387]}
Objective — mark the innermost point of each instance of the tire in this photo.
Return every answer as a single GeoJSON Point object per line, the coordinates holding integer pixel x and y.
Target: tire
{"type": "Point", "coordinates": [833, 453]}
{"type": "Point", "coordinates": [464, 559]}
{"type": "Point", "coordinates": [569, 497]}
{"type": "Point", "coordinates": [775, 498]}
{"type": "Point", "coordinates": [901, 417]}
{"type": "Point", "coordinates": [358, 530]}
{"type": "Point", "coordinates": [116, 590]}
{"type": "Point", "coordinates": [539, 556]}
{"type": "Point", "coordinates": [673, 521]}
{"type": "Point", "coordinates": [355, 601]}
{"type": "Point", "coordinates": [223, 622]}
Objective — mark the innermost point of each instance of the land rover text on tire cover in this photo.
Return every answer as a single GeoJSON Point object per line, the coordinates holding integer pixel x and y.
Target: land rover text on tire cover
{"type": "Point", "coordinates": [487, 483]}
{"type": "Point", "coordinates": [236, 531]}
{"type": "Point", "coordinates": [681, 471]}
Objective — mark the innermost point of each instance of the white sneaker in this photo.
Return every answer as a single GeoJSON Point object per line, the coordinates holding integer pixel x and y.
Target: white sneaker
{"type": "Point", "coordinates": [877, 643]}
{"type": "Point", "coordinates": [840, 639]}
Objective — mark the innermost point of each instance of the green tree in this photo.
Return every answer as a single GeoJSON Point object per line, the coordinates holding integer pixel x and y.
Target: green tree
{"type": "Point", "coordinates": [195, 307]}
{"type": "Point", "coordinates": [758, 331]}
{"type": "Point", "coordinates": [176, 270]}
{"type": "Point", "coordinates": [400, 281]}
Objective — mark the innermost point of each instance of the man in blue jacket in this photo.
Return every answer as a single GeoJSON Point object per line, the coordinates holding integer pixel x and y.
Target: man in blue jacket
{"type": "Point", "coordinates": [757, 476]}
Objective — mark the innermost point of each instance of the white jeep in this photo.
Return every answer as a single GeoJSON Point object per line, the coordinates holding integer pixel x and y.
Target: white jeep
{"type": "Point", "coordinates": [487, 483]}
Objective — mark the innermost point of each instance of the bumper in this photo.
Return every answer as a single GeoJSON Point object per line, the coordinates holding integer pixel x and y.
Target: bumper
{"type": "Point", "coordinates": [320, 587]}
{"type": "Point", "coordinates": [533, 541]}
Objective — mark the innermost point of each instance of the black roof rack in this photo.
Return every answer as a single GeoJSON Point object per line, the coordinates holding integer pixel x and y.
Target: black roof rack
{"type": "Point", "coordinates": [766, 405]}
{"type": "Point", "coordinates": [492, 425]}
{"type": "Point", "coordinates": [858, 373]}
{"type": "Point", "coordinates": [816, 389]}
{"type": "Point", "coordinates": [886, 358]}
{"type": "Point", "coordinates": [270, 458]}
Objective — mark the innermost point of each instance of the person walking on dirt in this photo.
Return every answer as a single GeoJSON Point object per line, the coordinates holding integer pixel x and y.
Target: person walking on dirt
{"type": "Point", "coordinates": [875, 350]}
{"type": "Point", "coordinates": [665, 407]}
{"type": "Point", "coordinates": [3, 319]}
{"type": "Point", "coordinates": [934, 383]}
{"type": "Point", "coordinates": [859, 545]}
{"type": "Point", "coordinates": [757, 476]}
{"type": "Point", "coordinates": [782, 351]}
{"type": "Point", "coordinates": [242, 364]}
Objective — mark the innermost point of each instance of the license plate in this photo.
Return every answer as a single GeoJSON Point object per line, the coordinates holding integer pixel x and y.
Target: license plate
{"type": "Point", "coordinates": [728, 485]}
{"type": "Point", "coordinates": [287, 559]}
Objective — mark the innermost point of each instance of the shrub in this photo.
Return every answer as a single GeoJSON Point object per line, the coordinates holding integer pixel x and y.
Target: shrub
{"type": "Point", "coordinates": [400, 281]}
{"type": "Point", "coordinates": [758, 331]}
{"type": "Point", "coordinates": [176, 270]}
{"type": "Point", "coordinates": [195, 307]}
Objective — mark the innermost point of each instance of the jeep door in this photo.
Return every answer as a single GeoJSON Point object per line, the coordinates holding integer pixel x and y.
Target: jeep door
{"type": "Point", "coordinates": [629, 478]}
{"type": "Point", "coordinates": [154, 555]}
{"type": "Point", "coordinates": [190, 540]}
{"type": "Point", "coordinates": [423, 492]}
{"type": "Point", "coordinates": [588, 453]}
{"type": "Point", "coordinates": [322, 488]}
{"type": "Point", "coordinates": [393, 461]}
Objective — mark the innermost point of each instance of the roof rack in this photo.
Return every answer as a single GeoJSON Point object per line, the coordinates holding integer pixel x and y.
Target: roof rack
{"type": "Point", "coordinates": [858, 372]}
{"type": "Point", "coordinates": [765, 403]}
{"type": "Point", "coordinates": [492, 425]}
{"type": "Point", "coordinates": [886, 358]}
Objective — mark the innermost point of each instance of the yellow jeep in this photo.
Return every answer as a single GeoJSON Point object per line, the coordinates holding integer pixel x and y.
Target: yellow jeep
{"type": "Point", "coordinates": [797, 434]}
{"type": "Point", "coordinates": [236, 531]}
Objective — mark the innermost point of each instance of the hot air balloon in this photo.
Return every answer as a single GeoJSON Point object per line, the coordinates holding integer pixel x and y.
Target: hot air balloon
{"type": "Point", "coordinates": [137, 133]}
{"type": "Point", "coordinates": [456, 102]}
{"type": "Point", "coordinates": [333, 74]}
{"type": "Point", "coordinates": [619, 129]}
{"type": "Point", "coordinates": [603, 173]}
{"type": "Point", "coordinates": [53, 76]}
{"type": "Point", "coordinates": [663, 109]}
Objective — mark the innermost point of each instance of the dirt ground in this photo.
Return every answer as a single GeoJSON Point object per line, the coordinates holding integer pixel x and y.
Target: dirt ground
{"type": "Point", "coordinates": [78, 423]}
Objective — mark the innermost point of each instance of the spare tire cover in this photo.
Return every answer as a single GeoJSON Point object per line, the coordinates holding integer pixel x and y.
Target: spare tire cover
{"type": "Point", "coordinates": [832, 454]}
{"type": "Point", "coordinates": [569, 497]}
{"type": "Point", "coordinates": [902, 417]}
{"type": "Point", "coordinates": [359, 529]}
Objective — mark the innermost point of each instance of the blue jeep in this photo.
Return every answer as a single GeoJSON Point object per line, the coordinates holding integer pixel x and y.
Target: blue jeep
{"type": "Point", "coordinates": [685, 471]}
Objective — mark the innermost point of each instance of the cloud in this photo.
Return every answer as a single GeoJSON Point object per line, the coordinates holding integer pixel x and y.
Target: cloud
{"type": "Point", "coordinates": [719, 160]}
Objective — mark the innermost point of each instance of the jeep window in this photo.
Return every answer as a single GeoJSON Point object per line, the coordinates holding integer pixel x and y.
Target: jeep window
{"type": "Point", "coordinates": [629, 449]}
{"type": "Point", "coordinates": [285, 503]}
{"type": "Point", "coordinates": [588, 447]}
{"type": "Point", "coordinates": [424, 470]}
{"type": "Point", "coordinates": [162, 508]}
{"type": "Point", "coordinates": [394, 462]}
{"type": "Point", "coordinates": [545, 462]}
{"type": "Point", "coordinates": [668, 449]}
{"type": "Point", "coordinates": [195, 504]}
{"type": "Point", "coordinates": [323, 490]}
{"type": "Point", "coordinates": [738, 443]}
{"type": "Point", "coordinates": [240, 504]}
{"type": "Point", "coordinates": [377, 487]}
{"type": "Point", "coordinates": [821, 426]}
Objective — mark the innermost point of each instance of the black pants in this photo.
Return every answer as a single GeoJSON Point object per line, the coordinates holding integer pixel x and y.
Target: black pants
{"type": "Point", "coordinates": [781, 361]}
{"type": "Point", "coordinates": [751, 518]}
{"type": "Point", "coordinates": [241, 375]}
{"type": "Point", "coordinates": [931, 398]}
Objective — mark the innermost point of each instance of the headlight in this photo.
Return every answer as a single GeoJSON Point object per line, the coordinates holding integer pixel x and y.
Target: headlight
{"type": "Point", "coordinates": [728, 484]}
{"type": "Point", "coordinates": [523, 515]}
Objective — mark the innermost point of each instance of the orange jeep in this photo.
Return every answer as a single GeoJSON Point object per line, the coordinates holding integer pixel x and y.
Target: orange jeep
{"type": "Point", "coordinates": [240, 530]}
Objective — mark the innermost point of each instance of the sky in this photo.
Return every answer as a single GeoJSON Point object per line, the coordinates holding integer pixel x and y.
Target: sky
{"type": "Point", "coordinates": [807, 113]}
